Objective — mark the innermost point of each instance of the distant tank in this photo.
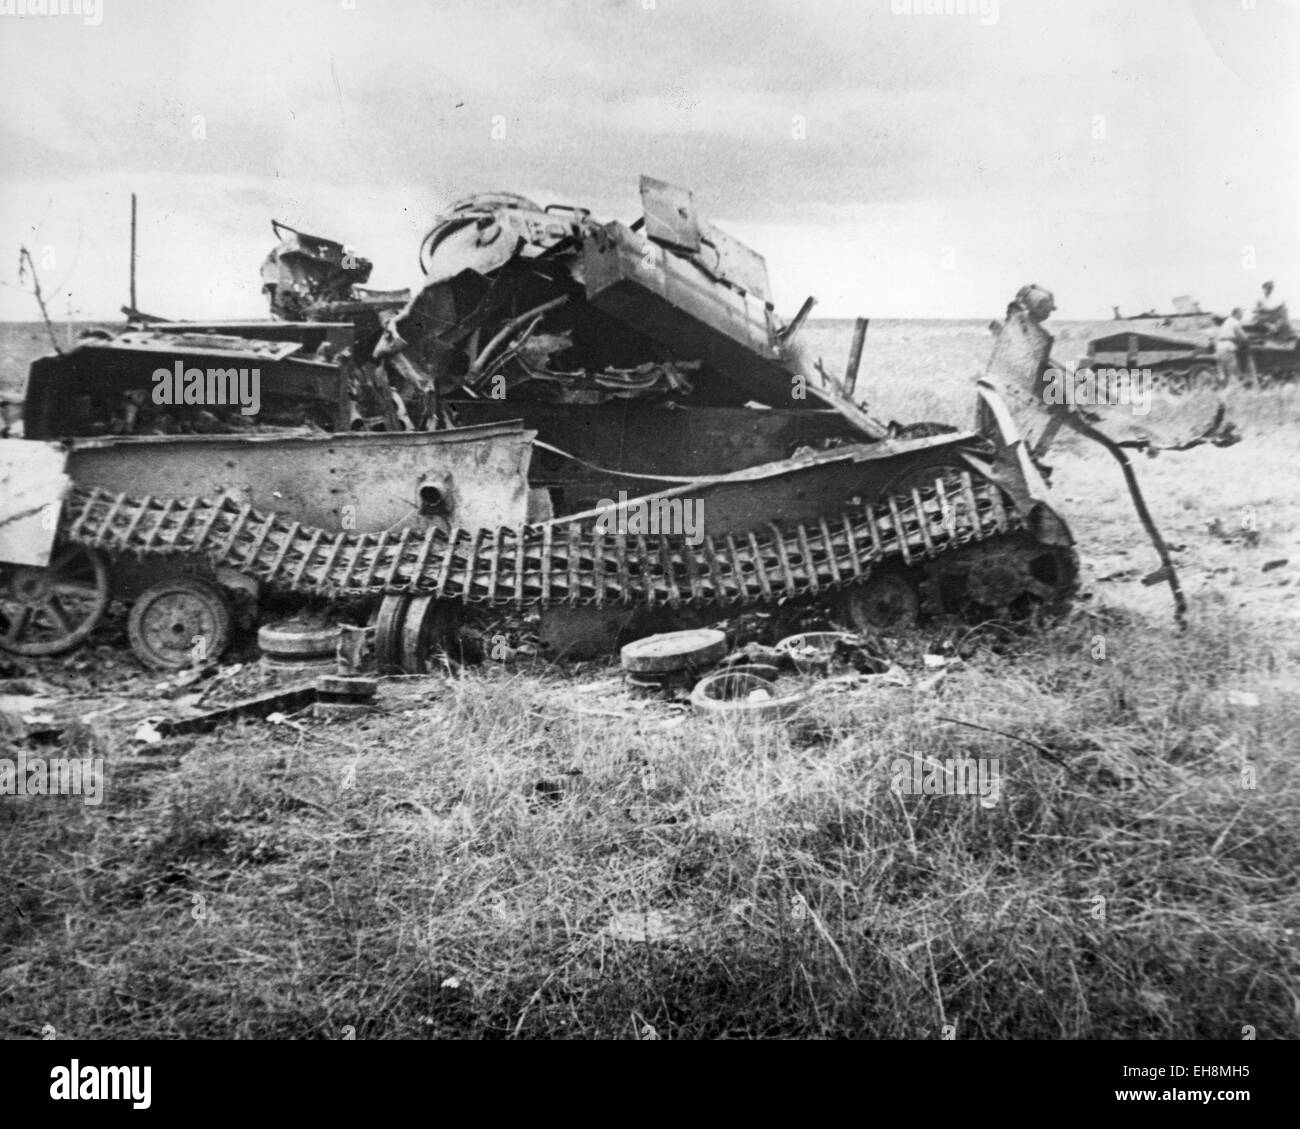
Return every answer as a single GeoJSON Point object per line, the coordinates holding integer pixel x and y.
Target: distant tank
{"type": "Point", "coordinates": [1181, 355]}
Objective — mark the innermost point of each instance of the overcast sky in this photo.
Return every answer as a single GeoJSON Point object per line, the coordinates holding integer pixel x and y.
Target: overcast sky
{"type": "Point", "coordinates": [892, 164]}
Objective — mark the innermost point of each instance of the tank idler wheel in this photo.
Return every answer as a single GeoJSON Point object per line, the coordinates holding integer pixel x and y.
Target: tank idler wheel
{"type": "Point", "coordinates": [887, 601]}
{"type": "Point", "coordinates": [179, 623]}
{"type": "Point", "coordinates": [49, 611]}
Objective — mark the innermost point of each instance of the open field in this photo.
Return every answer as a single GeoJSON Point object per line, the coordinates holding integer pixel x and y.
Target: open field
{"type": "Point", "coordinates": [527, 852]}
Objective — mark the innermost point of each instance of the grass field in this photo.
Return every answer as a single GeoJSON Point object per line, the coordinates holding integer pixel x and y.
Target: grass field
{"type": "Point", "coordinates": [529, 853]}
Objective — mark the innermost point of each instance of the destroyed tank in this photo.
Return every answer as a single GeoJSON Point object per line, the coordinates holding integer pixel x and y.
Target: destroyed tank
{"type": "Point", "coordinates": [678, 463]}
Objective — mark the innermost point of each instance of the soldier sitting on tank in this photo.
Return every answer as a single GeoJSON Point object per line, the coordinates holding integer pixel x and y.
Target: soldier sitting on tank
{"type": "Point", "coordinates": [1270, 316]}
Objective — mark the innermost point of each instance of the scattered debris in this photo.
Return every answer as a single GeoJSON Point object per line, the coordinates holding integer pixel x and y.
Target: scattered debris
{"type": "Point", "coordinates": [652, 926]}
{"type": "Point", "coordinates": [340, 688]}
{"type": "Point", "coordinates": [819, 652]}
{"type": "Point", "coordinates": [671, 686]}
{"type": "Point", "coordinates": [356, 646]}
{"type": "Point", "coordinates": [546, 792]}
{"type": "Point", "coordinates": [855, 680]}
{"type": "Point", "coordinates": [731, 693]}
{"type": "Point", "coordinates": [341, 711]}
{"type": "Point", "coordinates": [1247, 536]}
{"type": "Point", "coordinates": [263, 706]}
{"type": "Point", "coordinates": [1042, 750]}
{"type": "Point", "coordinates": [340, 698]}
{"type": "Point", "coordinates": [1122, 574]}
{"type": "Point", "coordinates": [148, 732]}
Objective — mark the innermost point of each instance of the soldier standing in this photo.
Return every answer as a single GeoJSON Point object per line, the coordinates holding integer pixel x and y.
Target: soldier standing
{"type": "Point", "coordinates": [1229, 344]}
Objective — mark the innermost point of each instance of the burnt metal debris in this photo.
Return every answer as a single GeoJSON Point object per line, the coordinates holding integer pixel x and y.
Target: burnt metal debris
{"type": "Point", "coordinates": [308, 278]}
{"type": "Point", "coordinates": [452, 452]}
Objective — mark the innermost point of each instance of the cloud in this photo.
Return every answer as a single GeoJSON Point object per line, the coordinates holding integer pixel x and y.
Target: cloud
{"type": "Point", "coordinates": [1127, 149]}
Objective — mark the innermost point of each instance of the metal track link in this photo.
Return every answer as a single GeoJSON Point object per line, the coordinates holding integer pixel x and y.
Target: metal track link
{"type": "Point", "coordinates": [552, 565]}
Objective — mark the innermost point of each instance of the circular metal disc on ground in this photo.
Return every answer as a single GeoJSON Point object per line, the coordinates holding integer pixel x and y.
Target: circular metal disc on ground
{"type": "Point", "coordinates": [678, 650]}
{"type": "Point", "coordinates": [47, 611]}
{"type": "Point", "coordinates": [292, 638]}
{"type": "Point", "coordinates": [743, 695]}
{"type": "Point", "coordinates": [179, 623]}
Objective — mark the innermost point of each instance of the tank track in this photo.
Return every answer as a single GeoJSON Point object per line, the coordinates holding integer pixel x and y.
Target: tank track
{"type": "Point", "coordinates": [556, 564]}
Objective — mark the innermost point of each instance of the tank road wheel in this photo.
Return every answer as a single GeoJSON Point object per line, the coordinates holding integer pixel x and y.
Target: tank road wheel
{"type": "Point", "coordinates": [1200, 378]}
{"type": "Point", "coordinates": [388, 634]}
{"type": "Point", "coordinates": [887, 601]}
{"type": "Point", "coordinates": [179, 623]}
{"type": "Point", "coordinates": [428, 629]}
{"type": "Point", "coordinates": [1008, 579]}
{"type": "Point", "coordinates": [47, 611]}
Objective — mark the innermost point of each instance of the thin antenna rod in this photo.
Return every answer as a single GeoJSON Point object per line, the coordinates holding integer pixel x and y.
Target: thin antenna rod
{"type": "Point", "coordinates": [134, 307]}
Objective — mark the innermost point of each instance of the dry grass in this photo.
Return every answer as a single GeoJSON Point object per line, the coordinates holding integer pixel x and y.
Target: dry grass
{"type": "Point", "coordinates": [479, 859]}
{"type": "Point", "coordinates": [408, 877]}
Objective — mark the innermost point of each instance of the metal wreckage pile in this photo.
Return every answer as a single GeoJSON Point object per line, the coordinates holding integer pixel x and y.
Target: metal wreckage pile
{"type": "Point", "coordinates": [428, 461]}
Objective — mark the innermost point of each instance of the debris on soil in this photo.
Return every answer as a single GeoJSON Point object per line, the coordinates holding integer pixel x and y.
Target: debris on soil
{"type": "Point", "coordinates": [340, 688]}
{"type": "Point", "coordinates": [654, 926]}
{"type": "Point", "coordinates": [281, 701]}
{"type": "Point", "coordinates": [818, 652]}
{"type": "Point", "coordinates": [342, 711]}
{"type": "Point", "coordinates": [747, 695]}
{"type": "Point", "coordinates": [147, 732]}
{"type": "Point", "coordinates": [1245, 535]}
